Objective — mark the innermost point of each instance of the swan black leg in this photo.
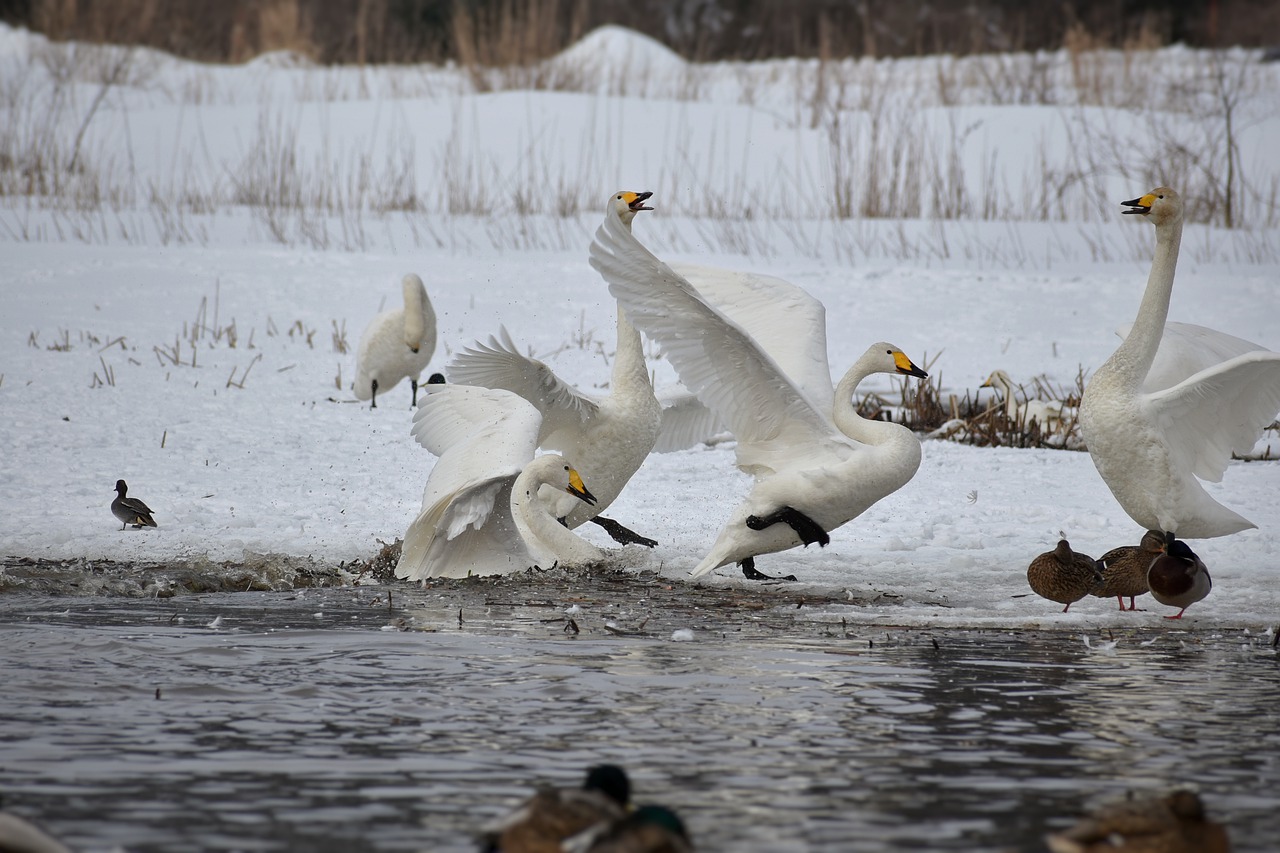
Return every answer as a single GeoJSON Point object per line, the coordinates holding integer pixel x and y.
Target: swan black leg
{"type": "Point", "coordinates": [414, 384]}
{"type": "Point", "coordinates": [373, 400]}
{"type": "Point", "coordinates": [751, 573]}
{"type": "Point", "coordinates": [623, 535]}
{"type": "Point", "coordinates": [805, 527]}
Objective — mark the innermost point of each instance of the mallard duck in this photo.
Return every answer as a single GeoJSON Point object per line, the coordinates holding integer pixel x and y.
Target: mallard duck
{"type": "Point", "coordinates": [1124, 569]}
{"type": "Point", "coordinates": [649, 829]}
{"type": "Point", "coordinates": [1063, 575]}
{"type": "Point", "coordinates": [544, 821]}
{"type": "Point", "coordinates": [1173, 823]}
{"type": "Point", "coordinates": [397, 344]}
{"type": "Point", "coordinates": [1178, 577]}
{"type": "Point", "coordinates": [130, 510]}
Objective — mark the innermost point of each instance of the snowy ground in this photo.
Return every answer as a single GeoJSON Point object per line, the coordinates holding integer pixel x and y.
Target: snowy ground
{"type": "Point", "coordinates": [249, 439]}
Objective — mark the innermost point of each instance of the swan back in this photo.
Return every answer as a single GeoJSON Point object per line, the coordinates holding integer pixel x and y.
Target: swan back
{"type": "Point", "coordinates": [396, 344]}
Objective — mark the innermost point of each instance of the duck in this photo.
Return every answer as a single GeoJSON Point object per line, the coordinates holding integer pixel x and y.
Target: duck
{"type": "Point", "coordinates": [1175, 822]}
{"type": "Point", "coordinates": [544, 821]}
{"type": "Point", "coordinates": [1178, 578]}
{"type": "Point", "coordinates": [1152, 445]}
{"type": "Point", "coordinates": [481, 514]}
{"type": "Point", "coordinates": [131, 510]}
{"type": "Point", "coordinates": [1124, 569]}
{"type": "Point", "coordinates": [817, 463]}
{"type": "Point", "coordinates": [1064, 575]}
{"type": "Point", "coordinates": [396, 344]}
{"type": "Point", "coordinates": [1047, 413]}
{"type": "Point", "coordinates": [648, 829]}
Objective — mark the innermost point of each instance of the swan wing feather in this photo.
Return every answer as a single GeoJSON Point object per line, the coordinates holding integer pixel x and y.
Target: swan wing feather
{"type": "Point", "coordinates": [1186, 349]}
{"type": "Point", "coordinates": [784, 319]}
{"type": "Point", "coordinates": [686, 421]}
{"type": "Point", "coordinates": [714, 356]}
{"type": "Point", "coordinates": [499, 364]}
{"type": "Point", "coordinates": [1218, 411]}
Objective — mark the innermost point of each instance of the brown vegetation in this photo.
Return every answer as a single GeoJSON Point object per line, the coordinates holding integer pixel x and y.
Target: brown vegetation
{"type": "Point", "coordinates": [503, 32]}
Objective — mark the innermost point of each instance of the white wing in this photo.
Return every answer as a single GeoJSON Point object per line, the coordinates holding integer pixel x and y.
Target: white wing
{"type": "Point", "coordinates": [498, 364]}
{"type": "Point", "coordinates": [484, 438]}
{"type": "Point", "coordinates": [1186, 349]}
{"type": "Point", "coordinates": [685, 422]}
{"type": "Point", "coordinates": [782, 318]}
{"type": "Point", "coordinates": [1220, 410]}
{"type": "Point", "coordinates": [715, 357]}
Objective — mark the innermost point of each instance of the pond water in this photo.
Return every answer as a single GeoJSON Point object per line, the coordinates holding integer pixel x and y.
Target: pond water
{"type": "Point", "coordinates": [315, 721]}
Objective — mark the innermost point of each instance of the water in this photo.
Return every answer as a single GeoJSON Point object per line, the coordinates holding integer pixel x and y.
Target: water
{"type": "Point", "coordinates": [308, 721]}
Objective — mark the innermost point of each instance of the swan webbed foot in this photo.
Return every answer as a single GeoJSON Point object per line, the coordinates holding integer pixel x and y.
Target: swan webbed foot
{"type": "Point", "coordinates": [622, 535]}
{"type": "Point", "coordinates": [805, 527]}
{"type": "Point", "coordinates": [751, 573]}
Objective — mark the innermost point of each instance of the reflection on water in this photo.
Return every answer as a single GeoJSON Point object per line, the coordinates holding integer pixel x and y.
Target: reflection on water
{"type": "Point", "coordinates": [300, 722]}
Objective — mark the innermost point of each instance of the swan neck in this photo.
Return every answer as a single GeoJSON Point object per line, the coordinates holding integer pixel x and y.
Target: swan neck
{"type": "Point", "coordinates": [845, 414]}
{"type": "Point", "coordinates": [546, 538]}
{"type": "Point", "coordinates": [414, 323]}
{"type": "Point", "coordinates": [629, 367]}
{"type": "Point", "coordinates": [1138, 350]}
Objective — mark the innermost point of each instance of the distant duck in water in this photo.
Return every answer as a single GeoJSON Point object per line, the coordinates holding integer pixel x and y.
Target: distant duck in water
{"type": "Point", "coordinates": [1124, 569]}
{"type": "Point", "coordinates": [130, 510]}
{"type": "Point", "coordinates": [1178, 578]}
{"type": "Point", "coordinates": [1063, 575]}
{"type": "Point", "coordinates": [549, 817]}
{"type": "Point", "coordinates": [1173, 823]}
{"type": "Point", "coordinates": [648, 829]}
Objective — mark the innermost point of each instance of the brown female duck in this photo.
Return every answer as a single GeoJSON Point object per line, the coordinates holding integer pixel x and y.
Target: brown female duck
{"type": "Point", "coordinates": [1124, 569]}
{"type": "Point", "coordinates": [1173, 823]}
{"type": "Point", "coordinates": [1062, 575]}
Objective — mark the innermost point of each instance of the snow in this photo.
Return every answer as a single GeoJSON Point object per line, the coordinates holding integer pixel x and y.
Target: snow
{"type": "Point", "coordinates": [250, 441]}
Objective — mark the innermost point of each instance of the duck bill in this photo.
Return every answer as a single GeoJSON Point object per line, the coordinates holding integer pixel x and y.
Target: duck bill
{"type": "Point", "coordinates": [1139, 205]}
{"type": "Point", "coordinates": [907, 367]}
{"type": "Point", "coordinates": [579, 489]}
{"type": "Point", "coordinates": [638, 203]}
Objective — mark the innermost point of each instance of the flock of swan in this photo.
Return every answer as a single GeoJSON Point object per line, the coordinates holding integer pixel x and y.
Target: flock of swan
{"type": "Point", "coordinates": [525, 458]}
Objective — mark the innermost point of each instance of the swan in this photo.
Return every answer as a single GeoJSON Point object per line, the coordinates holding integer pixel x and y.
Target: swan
{"type": "Point", "coordinates": [396, 344]}
{"type": "Point", "coordinates": [816, 462]}
{"type": "Point", "coordinates": [607, 438]}
{"type": "Point", "coordinates": [130, 510]}
{"type": "Point", "coordinates": [1151, 443]}
{"type": "Point", "coordinates": [1047, 413]}
{"type": "Point", "coordinates": [480, 511]}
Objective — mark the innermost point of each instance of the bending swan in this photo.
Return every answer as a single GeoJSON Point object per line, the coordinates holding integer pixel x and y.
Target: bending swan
{"type": "Point", "coordinates": [1151, 443]}
{"type": "Point", "coordinates": [480, 510]}
{"type": "Point", "coordinates": [396, 344]}
{"type": "Point", "coordinates": [816, 466]}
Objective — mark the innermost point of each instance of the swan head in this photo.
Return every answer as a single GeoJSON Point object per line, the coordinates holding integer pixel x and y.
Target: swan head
{"type": "Point", "coordinates": [628, 204]}
{"type": "Point", "coordinates": [1161, 205]}
{"type": "Point", "coordinates": [577, 488]}
{"type": "Point", "coordinates": [890, 359]}
{"type": "Point", "coordinates": [997, 379]}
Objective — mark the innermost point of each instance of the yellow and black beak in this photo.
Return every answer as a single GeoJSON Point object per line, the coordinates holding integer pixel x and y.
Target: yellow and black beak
{"type": "Point", "coordinates": [637, 201]}
{"type": "Point", "coordinates": [906, 367]}
{"type": "Point", "coordinates": [579, 489]}
{"type": "Point", "coordinates": [1139, 205]}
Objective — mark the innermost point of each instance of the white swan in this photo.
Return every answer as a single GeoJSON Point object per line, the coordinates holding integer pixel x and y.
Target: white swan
{"type": "Point", "coordinates": [1047, 413]}
{"type": "Point", "coordinates": [480, 510]}
{"type": "Point", "coordinates": [1150, 440]}
{"type": "Point", "coordinates": [817, 463]}
{"type": "Point", "coordinates": [607, 438]}
{"type": "Point", "coordinates": [396, 344]}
